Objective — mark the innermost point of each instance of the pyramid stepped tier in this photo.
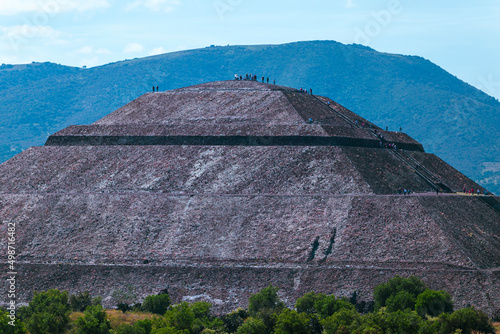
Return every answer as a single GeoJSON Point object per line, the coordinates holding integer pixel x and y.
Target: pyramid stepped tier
{"type": "Point", "coordinates": [217, 190]}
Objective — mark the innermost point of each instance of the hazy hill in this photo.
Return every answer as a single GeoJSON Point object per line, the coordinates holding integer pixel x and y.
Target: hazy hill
{"type": "Point", "coordinates": [450, 118]}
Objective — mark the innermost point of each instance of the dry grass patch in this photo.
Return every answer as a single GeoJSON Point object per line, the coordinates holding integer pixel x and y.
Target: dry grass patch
{"type": "Point", "coordinates": [497, 327]}
{"type": "Point", "coordinates": [117, 317]}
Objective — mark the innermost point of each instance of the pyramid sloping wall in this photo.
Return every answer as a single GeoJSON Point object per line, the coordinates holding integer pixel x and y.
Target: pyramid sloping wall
{"type": "Point", "coordinates": [217, 190]}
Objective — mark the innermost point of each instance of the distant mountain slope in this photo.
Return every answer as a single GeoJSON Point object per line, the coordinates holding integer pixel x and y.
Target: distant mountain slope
{"type": "Point", "coordinates": [450, 118]}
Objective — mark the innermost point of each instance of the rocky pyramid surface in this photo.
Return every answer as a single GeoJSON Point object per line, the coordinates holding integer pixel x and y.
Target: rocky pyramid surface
{"type": "Point", "coordinates": [217, 190]}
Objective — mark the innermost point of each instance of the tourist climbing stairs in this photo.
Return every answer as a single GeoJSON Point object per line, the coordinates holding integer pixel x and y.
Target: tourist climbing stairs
{"type": "Point", "coordinates": [430, 178]}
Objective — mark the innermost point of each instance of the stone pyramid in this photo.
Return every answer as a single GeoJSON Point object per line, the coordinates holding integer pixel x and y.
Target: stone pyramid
{"type": "Point", "coordinates": [215, 191]}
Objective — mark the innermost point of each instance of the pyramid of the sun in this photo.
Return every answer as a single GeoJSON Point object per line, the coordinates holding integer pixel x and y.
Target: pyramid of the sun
{"type": "Point", "coordinates": [217, 190]}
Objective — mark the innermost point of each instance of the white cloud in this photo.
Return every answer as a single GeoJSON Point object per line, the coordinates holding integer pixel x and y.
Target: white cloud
{"type": "Point", "coordinates": [91, 50]}
{"type": "Point", "coordinates": [154, 5]}
{"type": "Point", "coordinates": [26, 31]}
{"type": "Point", "coordinates": [133, 48]}
{"type": "Point", "coordinates": [157, 51]}
{"type": "Point", "coordinates": [350, 4]}
{"type": "Point", "coordinates": [85, 50]}
{"type": "Point", "coordinates": [8, 60]}
{"type": "Point", "coordinates": [20, 36]}
{"type": "Point", "coordinates": [50, 7]}
{"type": "Point", "coordinates": [103, 51]}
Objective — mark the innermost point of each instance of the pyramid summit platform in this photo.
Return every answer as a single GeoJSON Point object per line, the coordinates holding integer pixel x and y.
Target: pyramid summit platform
{"type": "Point", "coordinates": [217, 190]}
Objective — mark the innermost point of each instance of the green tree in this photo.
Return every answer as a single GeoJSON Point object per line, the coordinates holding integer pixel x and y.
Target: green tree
{"type": "Point", "coordinates": [48, 312]}
{"type": "Point", "coordinates": [392, 322]}
{"type": "Point", "coordinates": [305, 304]}
{"type": "Point", "coordinates": [146, 324]}
{"type": "Point", "coordinates": [408, 322]}
{"type": "Point", "coordinates": [315, 326]}
{"type": "Point", "coordinates": [430, 326]}
{"type": "Point", "coordinates": [403, 300]}
{"type": "Point", "coordinates": [93, 322]}
{"type": "Point", "coordinates": [291, 322]}
{"type": "Point", "coordinates": [369, 329]}
{"type": "Point", "coordinates": [433, 303]}
{"type": "Point", "coordinates": [124, 307]}
{"type": "Point", "coordinates": [412, 285]}
{"type": "Point", "coordinates": [203, 318]}
{"type": "Point", "coordinates": [234, 320]}
{"type": "Point", "coordinates": [80, 301]}
{"type": "Point", "coordinates": [168, 330]}
{"type": "Point", "coordinates": [5, 327]}
{"type": "Point", "coordinates": [267, 298]}
{"type": "Point", "coordinates": [328, 305]}
{"type": "Point", "coordinates": [131, 329]}
{"type": "Point", "coordinates": [156, 304]}
{"type": "Point", "coordinates": [181, 317]}
{"type": "Point", "coordinates": [343, 318]}
{"type": "Point", "coordinates": [252, 326]}
{"type": "Point", "coordinates": [468, 320]}
{"type": "Point", "coordinates": [266, 306]}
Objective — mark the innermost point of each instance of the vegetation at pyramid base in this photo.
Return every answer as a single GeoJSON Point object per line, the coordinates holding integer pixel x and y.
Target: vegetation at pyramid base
{"type": "Point", "coordinates": [402, 305]}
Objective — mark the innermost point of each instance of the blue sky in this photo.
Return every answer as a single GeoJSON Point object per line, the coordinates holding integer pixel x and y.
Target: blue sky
{"type": "Point", "coordinates": [460, 36]}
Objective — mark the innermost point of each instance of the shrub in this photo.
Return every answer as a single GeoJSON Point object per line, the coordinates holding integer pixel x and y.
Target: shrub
{"type": "Point", "coordinates": [234, 320]}
{"type": "Point", "coordinates": [93, 322]}
{"type": "Point", "coordinates": [403, 300]}
{"type": "Point", "coordinates": [291, 322]}
{"type": "Point", "coordinates": [328, 305]}
{"type": "Point", "coordinates": [156, 304]}
{"type": "Point", "coordinates": [128, 329]}
{"type": "Point", "coordinates": [412, 285]}
{"type": "Point", "coordinates": [48, 312]}
{"type": "Point", "coordinates": [124, 307]}
{"type": "Point", "coordinates": [315, 326]}
{"type": "Point", "coordinates": [341, 319]}
{"type": "Point", "coordinates": [168, 330]}
{"type": "Point", "coordinates": [433, 303]}
{"type": "Point", "coordinates": [203, 318]}
{"type": "Point", "coordinates": [392, 322]}
{"type": "Point", "coordinates": [468, 320]}
{"type": "Point", "coordinates": [267, 298]}
{"type": "Point", "coordinates": [145, 324]}
{"type": "Point", "coordinates": [305, 304]}
{"type": "Point", "coordinates": [19, 327]}
{"type": "Point", "coordinates": [80, 301]}
{"type": "Point", "coordinates": [266, 306]}
{"type": "Point", "coordinates": [180, 317]}
{"type": "Point", "coordinates": [252, 326]}
{"type": "Point", "coordinates": [403, 322]}
{"type": "Point", "coordinates": [139, 327]}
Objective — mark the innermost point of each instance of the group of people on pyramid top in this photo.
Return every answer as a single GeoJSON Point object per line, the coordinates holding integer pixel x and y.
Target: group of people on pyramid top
{"type": "Point", "coordinates": [155, 88]}
{"type": "Point", "coordinates": [252, 77]}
